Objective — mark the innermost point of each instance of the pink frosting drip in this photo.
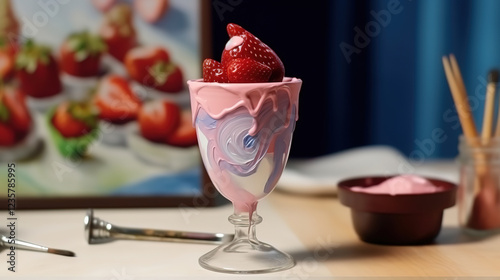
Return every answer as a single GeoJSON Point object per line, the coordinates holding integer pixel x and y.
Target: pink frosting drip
{"type": "Point", "coordinates": [219, 100]}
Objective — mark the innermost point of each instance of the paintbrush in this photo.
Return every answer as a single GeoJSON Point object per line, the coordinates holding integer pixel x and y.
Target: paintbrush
{"type": "Point", "coordinates": [489, 107]}
{"type": "Point", "coordinates": [19, 244]}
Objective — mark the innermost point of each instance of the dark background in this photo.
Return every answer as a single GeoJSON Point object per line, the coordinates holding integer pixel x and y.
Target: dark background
{"type": "Point", "coordinates": [301, 45]}
{"type": "Point", "coordinates": [299, 34]}
{"type": "Point", "coordinates": [393, 91]}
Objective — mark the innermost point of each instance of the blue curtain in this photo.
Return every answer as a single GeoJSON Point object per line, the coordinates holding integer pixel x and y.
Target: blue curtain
{"type": "Point", "coordinates": [406, 101]}
{"type": "Point", "coordinates": [373, 74]}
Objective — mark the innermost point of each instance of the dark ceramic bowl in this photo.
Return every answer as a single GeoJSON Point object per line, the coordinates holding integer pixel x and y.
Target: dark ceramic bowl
{"type": "Point", "coordinates": [404, 219]}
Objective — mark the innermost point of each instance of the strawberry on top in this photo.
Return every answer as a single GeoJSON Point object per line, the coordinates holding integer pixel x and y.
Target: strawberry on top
{"type": "Point", "coordinates": [214, 72]}
{"type": "Point", "coordinates": [247, 70]}
{"type": "Point", "coordinates": [245, 59]}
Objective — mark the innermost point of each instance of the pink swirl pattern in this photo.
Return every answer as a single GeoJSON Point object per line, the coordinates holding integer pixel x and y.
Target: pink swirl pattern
{"type": "Point", "coordinates": [240, 126]}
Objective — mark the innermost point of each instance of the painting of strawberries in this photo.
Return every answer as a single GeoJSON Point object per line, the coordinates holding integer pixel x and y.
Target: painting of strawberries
{"type": "Point", "coordinates": [94, 108]}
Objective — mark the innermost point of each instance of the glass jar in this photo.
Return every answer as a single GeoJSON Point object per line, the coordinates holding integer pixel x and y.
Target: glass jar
{"type": "Point", "coordinates": [479, 187]}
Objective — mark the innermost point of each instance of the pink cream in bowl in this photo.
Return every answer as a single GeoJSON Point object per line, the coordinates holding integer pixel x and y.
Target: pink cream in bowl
{"type": "Point", "coordinates": [397, 210]}
{"type": "Point", "coordinates": [403, 184]}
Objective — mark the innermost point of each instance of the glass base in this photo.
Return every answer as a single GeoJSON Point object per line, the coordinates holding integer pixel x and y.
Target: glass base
{"type": "Point", "coordinates": [246, 257]}
{"type": "Point", "coordinates": [246, 254]}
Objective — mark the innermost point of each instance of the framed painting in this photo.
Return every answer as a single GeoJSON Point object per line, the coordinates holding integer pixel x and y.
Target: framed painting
{"type": "Point", "coordinates": [94, 111]}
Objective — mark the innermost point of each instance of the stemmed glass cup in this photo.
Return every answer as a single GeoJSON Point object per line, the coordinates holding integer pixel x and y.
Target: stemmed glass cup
{"type": "Point", "coordinates": [244, 134]}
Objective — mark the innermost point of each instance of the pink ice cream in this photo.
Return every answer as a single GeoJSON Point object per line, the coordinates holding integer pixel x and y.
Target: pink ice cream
{"type": "Point", "coordinates": [244, 133]}
{"type": "Point", "coordinates": [403, 184]}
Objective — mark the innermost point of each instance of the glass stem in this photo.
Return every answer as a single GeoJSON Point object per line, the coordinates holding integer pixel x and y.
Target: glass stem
{"type": "Point", "coordinates": [244, 227]}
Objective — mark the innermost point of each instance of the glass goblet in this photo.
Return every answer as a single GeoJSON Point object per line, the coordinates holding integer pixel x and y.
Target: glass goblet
{"type": "Point", "coordinates": [244, 135]}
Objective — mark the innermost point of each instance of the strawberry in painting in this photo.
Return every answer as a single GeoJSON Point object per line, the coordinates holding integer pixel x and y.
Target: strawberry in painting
{"type": "Point", "coordinates": [73, 126]}
{"type": "Point", "coordinates": [152, 67]}
{"type": "Point", "coordinates": [158, 119]}
{"type": "Point", "coordinates": [37, 71]}
{"type": "Point", "coordinates": [185, 134]}
{"type": "Point", "coordinates": [115, 100]}
{"type": "Point", "coordinates": [7, 60]}
{"type": "Point", "coordinates": [118, 31]}
{"type": "Point", "coordinates": [80, 54]}
{"type": "Point", "coordinates": [151, 11]}
{"type": "Point", "coordinates": [15, 119]}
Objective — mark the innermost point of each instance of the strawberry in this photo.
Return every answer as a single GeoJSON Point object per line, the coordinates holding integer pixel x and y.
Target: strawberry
{"type": "Point", "coordinates": [151, 10]}
{"type": "Point", "coordinates": [244, 44]}
{"type": "Point", "coordinates": [14, 113]}
{"type": "Point", "coordinates": [246, 70]}
{"type": "Point", "coordinates": [7, 61]}
{"type": "Point", "coordinates": [185, 134]}
{"type": "Point", "coordinates": [81, 54]}
{"type": "Point", "coordinates": [158, 119]}
{"type": "Point", "coordinates": [167, 77]}
{"type": "Point", "coordinates": [116, 101]}
{"type": "Point", "coordinates": [75, 119]}
{"type": "Point", "coordinates": [8, 138]}
{"type": "Point", "coordinates": [140, 59]}
{"type": "Point", "coordinates": [103, 5]}
{"type": "Point", "coordinates": [214, 72]}
{"type": "Point", "coordinates": [73, 126]}
{"type": "Point", "coordinates": [118, 31]}
{"type": "Point", "coordinates": [38, 72]}
{"type": "Point", "coordinates": [151, 66]}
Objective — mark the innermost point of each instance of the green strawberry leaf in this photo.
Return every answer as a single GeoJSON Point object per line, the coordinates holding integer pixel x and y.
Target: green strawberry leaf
{"type": "Point", "coordinates": [31, 54]}
{"type": "Point", "coordinates": [84, 44]}
{"type": "Point", "coordinates": [81, 55]}
{"type": "Point", "coordinates": [160, 71]}
{"type": "Point", "coordinates": [31, 66]}
{"type": "Point", "coordinates": [45, 59]}
{"type": "Point", "coordinates": [72, 148]}
{"type": "Point", "coordinates": [85, 112]}
{"type": "Point", "coordinates": [75, 43]}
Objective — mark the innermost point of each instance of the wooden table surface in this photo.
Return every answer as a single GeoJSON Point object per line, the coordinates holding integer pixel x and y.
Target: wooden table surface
{"type": "Point", "coordinates": [329, 246]}
{"type": "Point", "coordinates": [324, 226]}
